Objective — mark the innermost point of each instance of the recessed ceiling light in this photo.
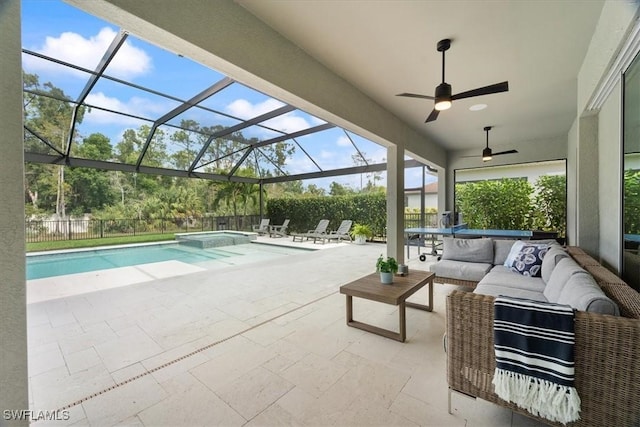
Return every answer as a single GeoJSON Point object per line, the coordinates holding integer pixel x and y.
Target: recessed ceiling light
{"type": "Point", "coordinates": [478, 107]}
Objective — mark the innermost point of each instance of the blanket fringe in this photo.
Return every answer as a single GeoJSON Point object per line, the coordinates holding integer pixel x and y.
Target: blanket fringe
{"type": "Point", "coordinates": [541, 398]}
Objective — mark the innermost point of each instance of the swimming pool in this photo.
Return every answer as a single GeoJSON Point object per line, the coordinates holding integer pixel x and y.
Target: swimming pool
{"type": "Point", "coordinates": [40, 266]}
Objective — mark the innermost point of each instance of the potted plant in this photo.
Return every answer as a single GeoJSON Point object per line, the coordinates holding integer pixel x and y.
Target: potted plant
{"type": "Point", "coordinates": [360, 233]}
{"type": "Point", "coordinates": [387, 268]}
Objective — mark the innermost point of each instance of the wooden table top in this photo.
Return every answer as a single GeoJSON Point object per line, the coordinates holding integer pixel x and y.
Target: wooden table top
{"type": "Point", "coordinates": [369, 287]}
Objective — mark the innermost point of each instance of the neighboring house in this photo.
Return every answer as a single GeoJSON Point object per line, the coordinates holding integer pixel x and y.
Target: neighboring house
{"type": "Point", "coordinates": [412, 197]}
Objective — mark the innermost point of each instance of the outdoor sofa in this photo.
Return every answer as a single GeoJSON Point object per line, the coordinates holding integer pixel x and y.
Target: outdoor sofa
{"type": "Point", "coordinates": [607, 346]}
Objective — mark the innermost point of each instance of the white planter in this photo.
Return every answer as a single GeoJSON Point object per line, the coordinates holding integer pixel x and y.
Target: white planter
{"type": "Point", "coordinates": [386, 278]}
{"type": "Point", "coordinates": [360, 240]}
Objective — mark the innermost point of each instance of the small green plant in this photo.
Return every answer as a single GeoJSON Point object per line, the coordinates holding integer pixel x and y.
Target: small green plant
{"type": "Point", "coordinates": [390, 265]}
{"type": "Point", "coordinates": [361, 230]}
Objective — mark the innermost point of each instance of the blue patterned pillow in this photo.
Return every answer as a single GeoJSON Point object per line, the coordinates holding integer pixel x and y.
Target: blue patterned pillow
{"type": "Point", "coordinates": [528, 262]}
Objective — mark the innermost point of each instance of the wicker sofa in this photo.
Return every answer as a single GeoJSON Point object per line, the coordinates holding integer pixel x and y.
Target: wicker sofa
{"type": "Point", "coordinates": [607, 350]}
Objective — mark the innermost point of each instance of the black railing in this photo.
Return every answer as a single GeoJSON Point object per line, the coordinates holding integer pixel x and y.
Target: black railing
{"type": "Point", "coordinates": [79, 229]}
{"type": "Point", "coordinates": [412, 220]}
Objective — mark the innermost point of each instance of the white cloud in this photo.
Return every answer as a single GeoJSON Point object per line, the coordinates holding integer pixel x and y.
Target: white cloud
{"type": "Point", "coordinates": [245, 110]}
{"type": "Point", "coordinates": [136, 106]}
{"type": "Point", "coordinates": [325, 154]}
{"type": "Point", "coordinates": [286, 123]}
{"type": "Point", "coordinates": [71, 47]}
{"type": "Point", "coordinates": [299, 165]}
{"type": "Point", "coordinates": [343, 141]}
{"type": "Point", "coordinates": [315, 121]}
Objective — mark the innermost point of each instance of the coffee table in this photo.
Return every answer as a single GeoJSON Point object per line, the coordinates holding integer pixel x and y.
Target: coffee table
{"type": "Point", "coordinates": [369, 287]}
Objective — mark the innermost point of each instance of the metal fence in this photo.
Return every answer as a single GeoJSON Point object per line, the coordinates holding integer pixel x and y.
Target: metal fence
{"type": "Point", "coordinates": [79, 229]}
{"type": "Point", "coordinates": [412, 220]}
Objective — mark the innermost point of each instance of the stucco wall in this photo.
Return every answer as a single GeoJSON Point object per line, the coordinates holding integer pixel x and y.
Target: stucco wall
{"type": "Point", "coordinates": [531, 171]}
{"type": "Point", "coordinates": [598, 229]}
{"type": "Point", "coordinates": [572, 180]}
{"type": "Point", "coordinates": [610, 204]}
{"type": "Point", "coordinates": [13, 302]}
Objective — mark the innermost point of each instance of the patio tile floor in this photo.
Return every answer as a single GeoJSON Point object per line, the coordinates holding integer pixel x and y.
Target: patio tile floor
{"type": "Point", "coordinates": [249, 344]}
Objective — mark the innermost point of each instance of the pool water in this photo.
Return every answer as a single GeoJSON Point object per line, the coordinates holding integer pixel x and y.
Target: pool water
{"type": "Point", "coordinates": [41, 266]}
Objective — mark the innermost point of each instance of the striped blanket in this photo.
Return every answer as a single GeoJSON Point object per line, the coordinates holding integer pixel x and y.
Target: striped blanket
{"type": "Point", "coordinates": [534, 357]}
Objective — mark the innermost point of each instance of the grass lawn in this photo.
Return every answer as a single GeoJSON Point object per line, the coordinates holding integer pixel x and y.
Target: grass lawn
{"type": "Point", "coordinates": [73, 244]}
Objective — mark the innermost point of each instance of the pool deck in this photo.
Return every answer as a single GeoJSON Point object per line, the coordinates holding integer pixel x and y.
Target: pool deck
{"type": "Point", "coordinates": [253, 344]}
{"type": "Point", "coordinates": [73, 284]}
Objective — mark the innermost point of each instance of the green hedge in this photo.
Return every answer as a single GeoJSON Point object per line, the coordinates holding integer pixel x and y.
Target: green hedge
{"type": "Point", "coordinates": [512, 204]}
{"type": "Point", "coordinates": [305, 213]}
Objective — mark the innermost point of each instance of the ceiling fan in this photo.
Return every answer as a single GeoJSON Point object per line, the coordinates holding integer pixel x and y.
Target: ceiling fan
{"type": "Point", "coordinates": [487, 154]}
{"type": "Point", "coordinates": [443, 95]}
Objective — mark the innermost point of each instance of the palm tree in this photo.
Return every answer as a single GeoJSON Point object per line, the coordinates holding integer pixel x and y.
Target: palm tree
{"type": "Point", "coordinates": [237, 195]}
{"type": "Point", "coordinates": [230, 193]}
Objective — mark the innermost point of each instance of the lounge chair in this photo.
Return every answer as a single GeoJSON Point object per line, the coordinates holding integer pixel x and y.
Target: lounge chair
{"type": "Point", "coordinates": [263, 228]}
{"type": "Point", "coordinates": [317, 233]}
{"type": "Point", "coordinates": [341, 233]}
{"type": "Point", "coordinates": [279, 230]}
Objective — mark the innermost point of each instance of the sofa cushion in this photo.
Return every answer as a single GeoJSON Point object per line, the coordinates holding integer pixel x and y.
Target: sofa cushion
{"type": "Point", "coordinates": [469, 250]}
{"type": "Point", "coordinates": [461, 270]}
{"type": "Point", "coordinates": [559, 277]}
{"type": "Point", "coordinates": [528, 261]}
{"type": "Point", "coordinates": [551, 259]}
{"type": "Point", "coordinates": [511, 291]}
{"type": "Point", "coordinates": [583, 293]}
{"type": "Point", "coordinates": [503, 276]}
{"type": "Point", "coordinates": [501, 249]}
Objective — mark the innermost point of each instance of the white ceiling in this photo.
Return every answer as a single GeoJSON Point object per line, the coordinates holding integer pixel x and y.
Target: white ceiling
{"type": "Point", "coordinates": [388, 47]}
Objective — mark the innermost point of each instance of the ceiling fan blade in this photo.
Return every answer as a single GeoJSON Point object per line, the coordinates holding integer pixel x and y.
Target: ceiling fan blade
{"type": "Point", "coordinates": [432, 116]}
{"type": "Point", "coordinates": [487, 90]}
{"type": "Point", "coordinates": [415, 95]}
{"type": "Point", "coordinates": [505, 152]}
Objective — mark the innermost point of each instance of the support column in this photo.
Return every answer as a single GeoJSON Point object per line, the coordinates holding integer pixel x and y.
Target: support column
{"type": "Point", "coordinates": [588, 221]}
{"type": "Point", "coordinates": [14, 390]}
{"type": "Point", "coordinates": [443, 186]}
{"type": "Point", "coordinates": [395, 202]}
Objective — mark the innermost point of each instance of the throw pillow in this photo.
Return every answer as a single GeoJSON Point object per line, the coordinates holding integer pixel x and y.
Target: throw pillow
{"type": "Point", "coordinates": [513, 253]}
{"type": "Point", "coordinates": [529, 261]}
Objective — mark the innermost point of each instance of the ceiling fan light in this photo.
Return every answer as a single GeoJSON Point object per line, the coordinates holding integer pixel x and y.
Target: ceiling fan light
{"type": "Point", "coordinates": [443, 105]}
{"type": "Point", "coordinates": [443, 97]}
{"type": "Point", "coordinates": [486, 154]}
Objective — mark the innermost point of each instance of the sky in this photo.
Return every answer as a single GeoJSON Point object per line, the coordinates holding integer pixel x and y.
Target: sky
{"type": "Point", "coordinates": [58, 30]}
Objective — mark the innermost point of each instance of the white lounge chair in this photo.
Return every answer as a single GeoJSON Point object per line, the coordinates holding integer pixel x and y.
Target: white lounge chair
{"type": "Point", "coordinates": [317, 233]}
{"type": "Point", "coordinates": [341, 233]}
{"type": "Point", "coordinates": [263, 228]}
{"type": "Point", "coordinates": [279, 230]}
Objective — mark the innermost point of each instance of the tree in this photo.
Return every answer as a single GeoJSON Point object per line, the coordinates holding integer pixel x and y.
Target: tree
{"type": "Point", "coordinates": [550, 204]}
{"type": "Point", "coordinates": [336, 189]}
{"type": "Point", "coordinates": [188, 139]}
{"type": "Point", "coordinates": [314, 190]}
{"type": "Point", "coordinates": [632, 202]}
{"type": "Point", "coordinates": [91, 188]}
{"type": "Point", "coordinates": [128, 150]}
{"type": "Point", "coordinates": [236, 194]}
{"type": "Point", "coordinates": [48, 112]}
